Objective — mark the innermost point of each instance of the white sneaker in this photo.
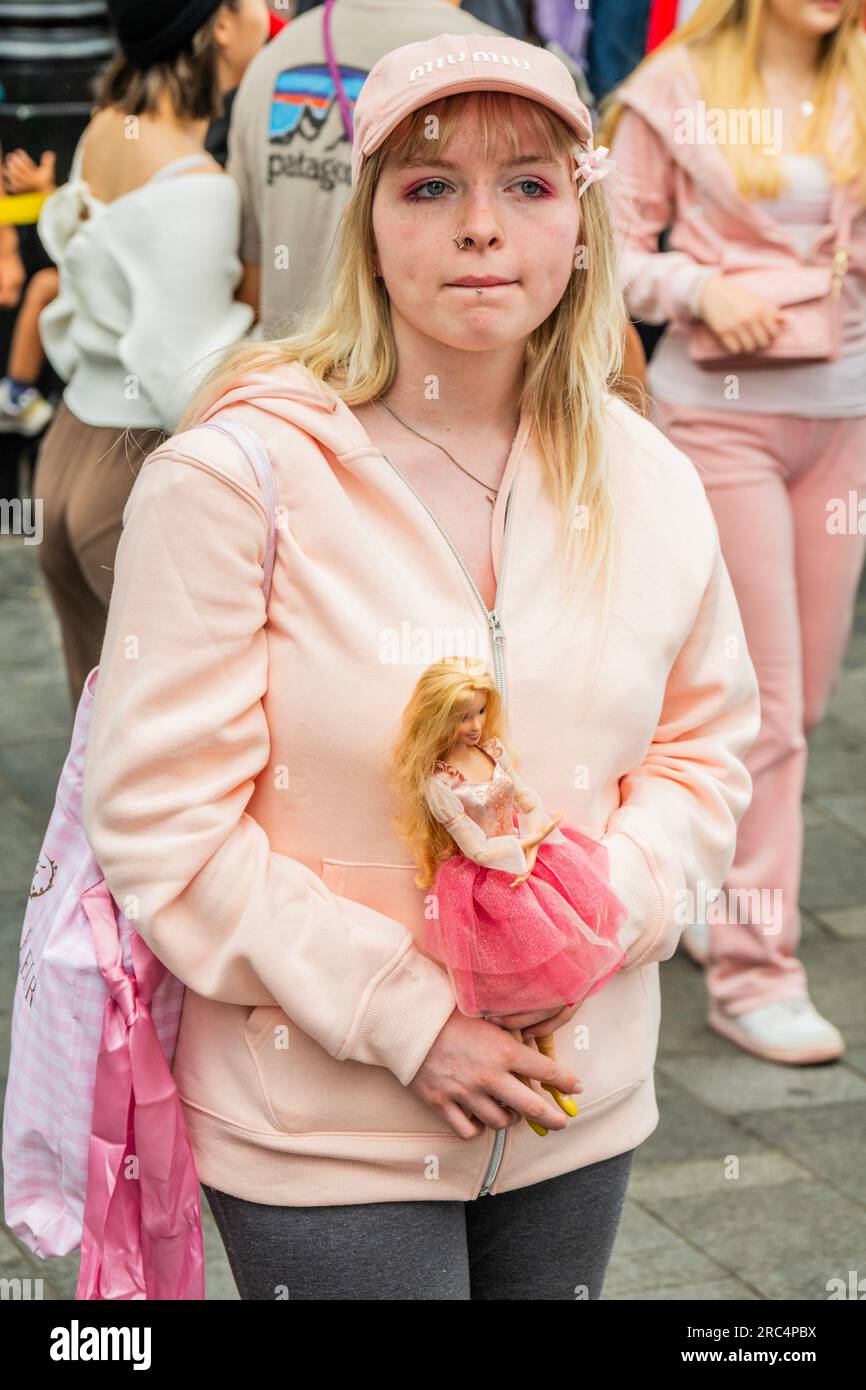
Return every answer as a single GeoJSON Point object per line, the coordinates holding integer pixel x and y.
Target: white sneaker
{"type": "Point", "coordinates": [28, 415]}
{"type": "Point", "coordinates": [791, 1030]}
{"type": "Point", "coordinates": [695, 941]}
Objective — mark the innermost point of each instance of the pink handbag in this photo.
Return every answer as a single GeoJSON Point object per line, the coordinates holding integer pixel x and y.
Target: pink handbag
{"type": "Point", "coordinates": [810, 295]}
{"type": "Point", "coordinates": [96, 1150]}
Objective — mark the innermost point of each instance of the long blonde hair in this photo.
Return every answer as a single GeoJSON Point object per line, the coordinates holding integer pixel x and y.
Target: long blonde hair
{"type": "Point", "coordinates": [429, 726]}
{"type": "Point", "coordinates": [573, 358]}
{"type": "Point", "coordinates": [723, 37]}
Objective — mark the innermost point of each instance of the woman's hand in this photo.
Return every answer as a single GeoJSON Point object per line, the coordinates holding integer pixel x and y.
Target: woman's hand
{"type": "Point", "coordinates": [742, 321]}
{"type": "Point", "coordinates": [538, 1024]}
{"type": "Point", "coordinates": [21, 175]}
{"type": "Point", "coordinates": [468, 1078]}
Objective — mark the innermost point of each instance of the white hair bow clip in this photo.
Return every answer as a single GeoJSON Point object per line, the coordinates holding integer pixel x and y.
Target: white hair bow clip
{"type": "Point", "coordinates": [592, 164]}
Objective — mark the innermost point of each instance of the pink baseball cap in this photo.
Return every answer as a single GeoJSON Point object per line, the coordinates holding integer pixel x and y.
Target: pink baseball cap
{"type": "Point", "coordinates": [409, 77]}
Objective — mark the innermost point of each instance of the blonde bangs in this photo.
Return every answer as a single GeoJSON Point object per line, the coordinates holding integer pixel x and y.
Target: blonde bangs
{"type": "Point", "coordinates": [508, 123]}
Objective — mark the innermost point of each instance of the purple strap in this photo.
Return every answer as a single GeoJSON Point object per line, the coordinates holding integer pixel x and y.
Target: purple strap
{"type": "Point", "coordinates": [259, 459]}
{"type": "Point", "coordinates": [335, 71]}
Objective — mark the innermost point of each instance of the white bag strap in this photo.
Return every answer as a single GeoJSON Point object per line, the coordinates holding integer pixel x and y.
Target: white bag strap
{"type": "Point", "coordinates": [260, 461]}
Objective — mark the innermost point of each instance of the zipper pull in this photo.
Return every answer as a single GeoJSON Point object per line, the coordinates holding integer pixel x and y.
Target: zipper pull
{"type": "Point", "coordinates": [840, 266]}
{"type": "Point", "coordinates": [495, 626]}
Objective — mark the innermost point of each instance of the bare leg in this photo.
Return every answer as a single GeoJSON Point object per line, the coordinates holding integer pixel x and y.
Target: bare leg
{"type": "Point", "coordinates": [26, 355]}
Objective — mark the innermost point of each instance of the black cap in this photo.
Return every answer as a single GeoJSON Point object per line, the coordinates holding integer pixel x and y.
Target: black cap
{"type": "Point", "coordinates": [149, 31]}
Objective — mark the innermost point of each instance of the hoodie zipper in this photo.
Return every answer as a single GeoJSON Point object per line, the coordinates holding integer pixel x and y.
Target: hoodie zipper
{"type": "Point", "coordinates": [497, 638]}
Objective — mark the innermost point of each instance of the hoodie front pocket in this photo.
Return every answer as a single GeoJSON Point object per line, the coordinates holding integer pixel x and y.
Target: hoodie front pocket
{"type": "Point", "coordinates": [305, 1089]}
{"type": "Point", "coordinates": [387, 888]}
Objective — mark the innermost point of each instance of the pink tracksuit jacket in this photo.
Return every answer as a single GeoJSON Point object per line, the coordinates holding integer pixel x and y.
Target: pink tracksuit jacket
{"type": "Point", "coordinates": [235, 797]}
{"type": "Point", "coordinates": [663, 179]}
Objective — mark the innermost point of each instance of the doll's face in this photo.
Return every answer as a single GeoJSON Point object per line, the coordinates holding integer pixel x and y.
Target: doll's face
{"type": "Point", "coordinates": [472, 721]}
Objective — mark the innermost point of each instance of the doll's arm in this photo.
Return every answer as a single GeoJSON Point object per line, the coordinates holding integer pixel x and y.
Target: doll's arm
{"type": "Point", "coordinates": [493, 852]}
{"type": "Point", "coordinates": [535, 817]}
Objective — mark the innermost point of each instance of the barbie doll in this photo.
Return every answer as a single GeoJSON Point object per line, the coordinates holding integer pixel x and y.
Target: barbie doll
{"type": "Point", "coordinates": [521, 922]}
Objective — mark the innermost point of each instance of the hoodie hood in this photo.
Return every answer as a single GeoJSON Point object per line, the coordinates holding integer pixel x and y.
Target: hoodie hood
{"type": "Point", "coordinates": [667, 90]}
{"type": "Point", "coordinates": [292, 394]}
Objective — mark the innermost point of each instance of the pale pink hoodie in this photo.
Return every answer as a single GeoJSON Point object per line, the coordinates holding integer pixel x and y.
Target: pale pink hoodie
{"type": "Point", "coordinates": [234, 788]}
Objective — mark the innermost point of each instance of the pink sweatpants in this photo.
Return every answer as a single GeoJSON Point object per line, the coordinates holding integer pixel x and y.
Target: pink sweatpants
{"type": "Point", "coordinates": [770, 480]}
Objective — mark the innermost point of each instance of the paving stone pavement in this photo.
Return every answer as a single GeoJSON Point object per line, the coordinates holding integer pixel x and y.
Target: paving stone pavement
{"type": "Point", "coordinates": [794, 1217]}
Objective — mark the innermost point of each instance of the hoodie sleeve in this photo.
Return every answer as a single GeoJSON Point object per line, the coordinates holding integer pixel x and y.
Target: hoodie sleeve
{"type": "Point", "coordinates": [179, 735]}
{"type": "Point", "coordinates": [503, 852]}
{"type": "Point", "coordinates": [677, 820]}
{"type": "Point", "coordinates": [657, 285]}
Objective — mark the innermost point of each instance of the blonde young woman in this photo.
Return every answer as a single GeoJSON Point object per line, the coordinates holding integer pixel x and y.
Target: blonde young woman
{"type": "Point", "coordinates": [745, 133]}
{"type": "Point", "coordinates": [451, 474]}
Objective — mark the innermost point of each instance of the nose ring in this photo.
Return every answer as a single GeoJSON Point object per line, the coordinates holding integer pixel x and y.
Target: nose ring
{"type": "Point", "coordinates": [461, 245]}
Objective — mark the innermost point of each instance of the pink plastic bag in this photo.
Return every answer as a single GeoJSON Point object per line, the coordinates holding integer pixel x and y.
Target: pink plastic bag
{"type": "Point", "coordinates": [142, 1234]}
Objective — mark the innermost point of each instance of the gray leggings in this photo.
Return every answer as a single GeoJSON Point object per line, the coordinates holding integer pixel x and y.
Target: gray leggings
{"type": "Point", "coordinates": [551, 1240]}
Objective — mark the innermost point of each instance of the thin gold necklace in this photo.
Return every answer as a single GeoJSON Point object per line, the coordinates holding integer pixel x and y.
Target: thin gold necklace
{"type": "Point", "coordinates": [487, 486]}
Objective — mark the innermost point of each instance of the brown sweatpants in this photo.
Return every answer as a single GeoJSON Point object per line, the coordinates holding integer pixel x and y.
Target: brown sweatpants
{"type": "Point", "coordinates": [83, 476]}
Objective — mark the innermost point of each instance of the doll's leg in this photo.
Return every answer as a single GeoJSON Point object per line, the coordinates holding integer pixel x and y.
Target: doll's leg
{"type": "Point", "coordinates": [547, 1046]}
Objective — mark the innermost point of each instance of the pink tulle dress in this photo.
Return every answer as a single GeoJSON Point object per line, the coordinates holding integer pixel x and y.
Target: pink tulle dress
{"type": "Point", "coordinates": [549, 941]}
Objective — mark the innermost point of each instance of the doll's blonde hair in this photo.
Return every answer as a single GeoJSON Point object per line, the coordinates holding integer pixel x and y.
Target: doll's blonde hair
{"type": "Point", "coordinates": [429, 726]}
